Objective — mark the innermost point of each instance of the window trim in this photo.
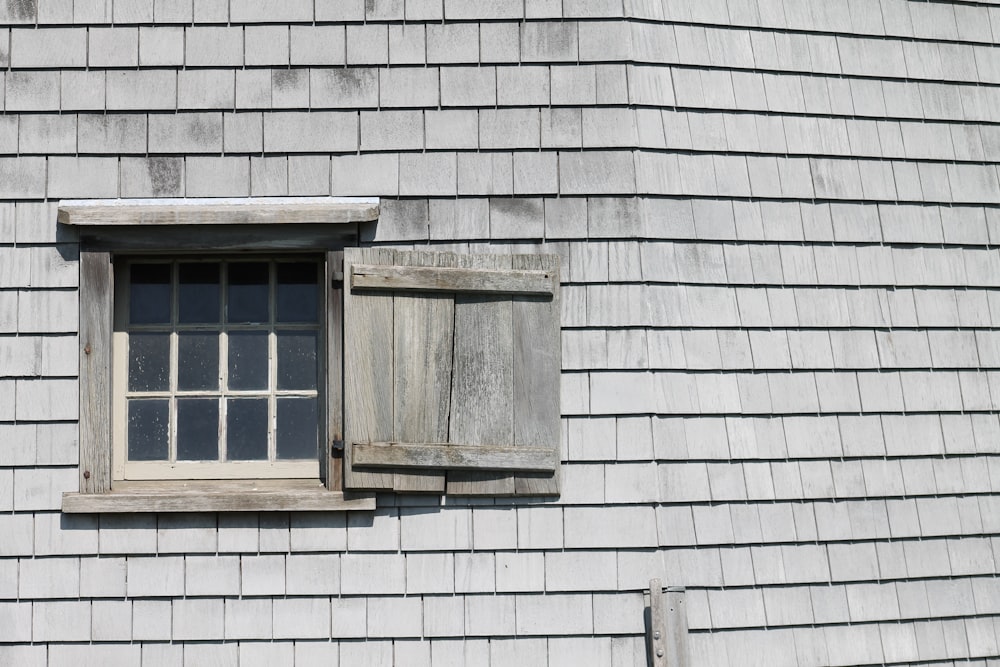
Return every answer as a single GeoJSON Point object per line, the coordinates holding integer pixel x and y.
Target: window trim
{"type": "Point", "coordinates": [108, 228]}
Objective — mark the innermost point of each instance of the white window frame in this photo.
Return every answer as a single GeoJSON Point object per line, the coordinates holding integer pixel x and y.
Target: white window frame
{"type": "Point", "coordinates": [108, 229]}
{"type": "Point", "coordinates": [124, 470]}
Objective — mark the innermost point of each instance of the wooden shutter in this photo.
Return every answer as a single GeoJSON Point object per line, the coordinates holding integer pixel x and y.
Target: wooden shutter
{"type": "Point", "coordinates": [451, 372]}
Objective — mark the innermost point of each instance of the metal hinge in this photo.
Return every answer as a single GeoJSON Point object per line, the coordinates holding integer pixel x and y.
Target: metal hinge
{"type": "Point", "coordinates": [337, 449]}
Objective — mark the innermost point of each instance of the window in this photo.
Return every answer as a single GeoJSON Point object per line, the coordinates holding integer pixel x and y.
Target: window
{"type": "Point", "coordinates": [217, 368]}
{"type": "Point", "coordinates": [233, 362]}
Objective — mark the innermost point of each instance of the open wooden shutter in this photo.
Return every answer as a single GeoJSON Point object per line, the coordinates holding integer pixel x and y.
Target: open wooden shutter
{"type": "Point", "coordinates": [451, 372]}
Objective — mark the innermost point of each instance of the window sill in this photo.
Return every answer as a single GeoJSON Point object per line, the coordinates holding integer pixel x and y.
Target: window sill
{"type": "Point", "coordinates": [217, 496]}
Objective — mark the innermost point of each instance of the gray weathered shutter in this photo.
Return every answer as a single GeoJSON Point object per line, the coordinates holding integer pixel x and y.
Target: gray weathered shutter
{"type": "Point", "coordinates": [451, 372]}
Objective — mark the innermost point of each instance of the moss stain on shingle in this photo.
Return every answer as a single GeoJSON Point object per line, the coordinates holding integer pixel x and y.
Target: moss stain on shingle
{"type": "Point", "coordinates": [22, 10]}
{"type": "Point", "coordinates": [164, 175]}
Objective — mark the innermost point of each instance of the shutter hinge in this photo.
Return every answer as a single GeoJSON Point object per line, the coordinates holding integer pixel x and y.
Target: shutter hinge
{"type": "Point", "coordinates": [337, 449]}
{"type": "Point", "coordinates": [337, 281]}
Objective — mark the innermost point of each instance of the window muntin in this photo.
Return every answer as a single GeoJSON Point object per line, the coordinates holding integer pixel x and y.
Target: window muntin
{"type": "Point", "coordinates": [217, 368]}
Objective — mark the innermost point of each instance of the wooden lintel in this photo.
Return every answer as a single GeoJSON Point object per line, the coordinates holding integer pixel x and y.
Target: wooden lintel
{"type": "Point", "coordinates": [271, 495]}
{"type": "Point", "coordinates": [442, 456]}
{"type": "Point", "coordinates": [266, 211]}
{"type": "Point", "coordinates": [447, 279]}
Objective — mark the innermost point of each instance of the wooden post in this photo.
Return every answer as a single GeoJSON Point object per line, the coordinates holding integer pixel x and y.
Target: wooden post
{"type": "Point", "coordinates": [657, 635]}
{"type": "Point", "coordinates": [95, 371]}
{"type": "Point", "coordinates": [668, 628]}
{"type": "Point", "coordinates": [332, 458]}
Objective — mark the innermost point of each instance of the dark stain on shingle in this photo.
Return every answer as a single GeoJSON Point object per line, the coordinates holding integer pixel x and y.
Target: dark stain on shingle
{"type": "Point", "coordinates": [205, 130]}
{"type": "Point", "coordinates": [164, 175]}
{"type": "Point", "coordinates": [518, 206]}
{"type": "Point", "coordinates": [283, 79]}
{"type": "Point", "coordinates": [350, 81]}
{"type": "Point", "coordinates": [22, 10]}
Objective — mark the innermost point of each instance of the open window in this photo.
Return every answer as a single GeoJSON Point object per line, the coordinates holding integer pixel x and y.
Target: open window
{"type": "Point", "coordinates": [223, 353]}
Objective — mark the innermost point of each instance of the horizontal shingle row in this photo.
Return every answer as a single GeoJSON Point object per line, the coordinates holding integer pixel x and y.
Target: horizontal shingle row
{"type": "Point", "coordinates": [412, 528]}
{"type": "Point", "coordinates": [824, 307]}
{"type": "Point", "coordinates": [830, 521]}
{"type": "Point", "coordinates": [845, 645]}
{"type": "Point", "coordinates": [668, 392]}
{"type": "Point", "coordinates": [797, 437]}
{"type": "Point", "coordinates": [819, 479]}
{"type": "Point", "coordinates": [469, 219]}
{"type": "Point", "coordinates": [42, 444]}
{"type": "Point", "coordinates": [942, 21]}
{"type": "Point", "coordinates": [310, 618]}
{"type": "Point", "coordinates": [255, 576]}
{"type": "Point", "coordinates": [974, 22]}
{"type": "Point", "coordinates": [778, 349]}
{"type": "Point", "coordinates": [416, 87]}
{"type": "Point", "coordinates": [614, 651]}
{"type": "Point", "coordinates": [532, 42]}
{"type": "Point", "coordinates": [709, 219]}
{"type": "Point", "coordinates": [254, 11]}
{"type": "Point", "coordinates": [210, 578]}
{"type": "Point", "coordinates": [515, 129]}
{"type": "Point", "coordinates": [619, 173]}
{"type": "Point", "coordinates": [864, 603]}
{"type": "Point", "coordinates": [796, 264]}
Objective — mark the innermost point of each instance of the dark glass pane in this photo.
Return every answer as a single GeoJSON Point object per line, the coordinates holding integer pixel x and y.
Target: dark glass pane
{"type": "Point", "coordinates": [247, 292]}
{"type": "Point", "coordinates": [296, 360]}
{"type": "Point", "coordinates": [149, 362]}
{"type": "Point", "coordinates": [297, 429]}
{"type": "Point", "coordinates": [197, 361]}
{"type": "Point", "coordinates": [246, 432]}
{"type": "Point", "coordinates": [148, 429]}
{"type": "Point", "coordinates": [198, 293]}
{"type": "Point", "coordinates": [149, 294]}
{"type": "Point", "coordinates": [248, 360]}
{"type": "Point", "coordinates": [197, 429]}
{"type": "Point", "coordinates": [298, 290]}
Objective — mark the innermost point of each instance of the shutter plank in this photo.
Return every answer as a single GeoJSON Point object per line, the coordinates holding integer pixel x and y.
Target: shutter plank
{"type": "Point", "coordinates": [368, 369]}
{"type": "Point", "coordinates": [95, 372]}
{"type": "Point", "coordinates": [482, 398]}
{"type": "Point", "coordinates": [422, 333]}
{"type": "Point", "coordinates": [537, 365]}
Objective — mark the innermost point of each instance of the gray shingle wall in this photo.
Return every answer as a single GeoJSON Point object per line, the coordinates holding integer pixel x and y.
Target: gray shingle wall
{"type": "Point", "coordinates": [778, 227]}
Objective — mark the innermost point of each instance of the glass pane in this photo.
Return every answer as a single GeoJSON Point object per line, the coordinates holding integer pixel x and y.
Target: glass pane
{"type": "Point", "coordinates": [296, 360]}
{"type": "Point", "coordinates": [248, 360]}
{"type": "Point", "coordinates": [149, 362]}
{"type": "Point", "coordinates": [297, 291]}
{"type": "Point", "coordinates": [148, 422]}
{"type": "Point", "coordinates": [197, 429]}
{"type": "Point", "coordinates": [246, 432]}
{"type": "Point", "coordinates": [149, 295]}
{"type": "Point", "coordinates": [197, 361]}
{"type": "Point", "coordinates": [198, 293]}
{"type": "Point", "coordinates": [247, 292]}
{"type": "Point", "coordinates": [297, 429]}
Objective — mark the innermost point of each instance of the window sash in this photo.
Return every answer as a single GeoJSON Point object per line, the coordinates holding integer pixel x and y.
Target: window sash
{"type": "Point", "coordinates": [171, 469]}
